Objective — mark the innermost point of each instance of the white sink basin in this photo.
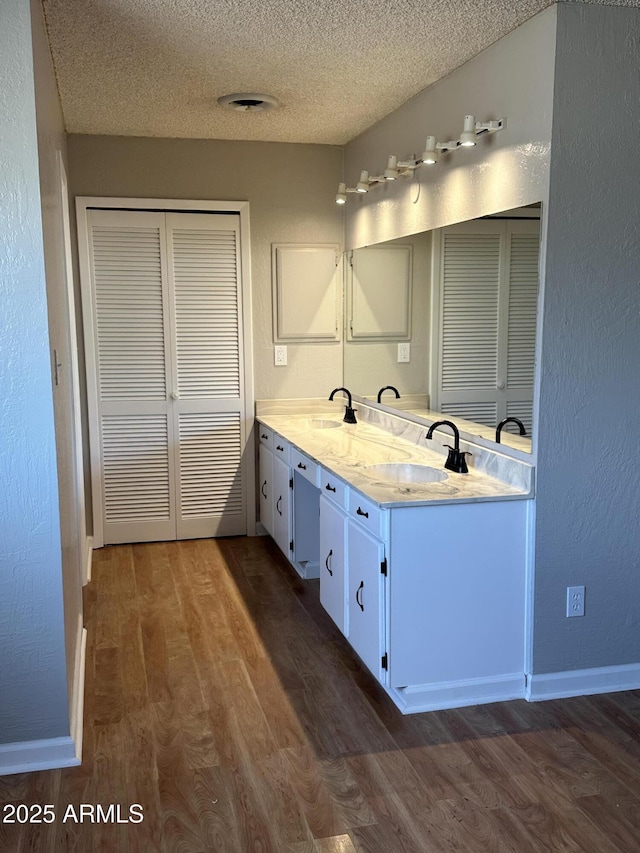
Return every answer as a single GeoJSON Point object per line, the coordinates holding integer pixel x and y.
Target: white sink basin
{"type": "Point", "coordinates": [405, 473]}
{"type": "Point", "coordinates": [324, 423]}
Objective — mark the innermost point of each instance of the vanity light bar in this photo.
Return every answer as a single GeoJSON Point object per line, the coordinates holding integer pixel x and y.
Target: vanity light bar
{"type": "Point", "coordinates": [471, 130]}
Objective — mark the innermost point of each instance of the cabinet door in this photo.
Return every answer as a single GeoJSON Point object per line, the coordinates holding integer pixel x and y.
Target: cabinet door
{"type": "Point", "coordinates": [266, 489]}
{"type": "Point", "coordinates": [282, 505]}
{"type": "Point", "coordinates": [366, 597]}
{"type": "Point", "coordinates": [333, 591]}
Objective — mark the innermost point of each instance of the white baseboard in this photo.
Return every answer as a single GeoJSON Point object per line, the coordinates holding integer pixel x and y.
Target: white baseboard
{"type": "Point", "coordinates": [583, 682]}
{"type": "Point", "coordinates": [458, 694]}
{"type": "Point", "coordinates": [48, 754]}
{"type": "Point", "coordinates": [88, 559]}
{"type": "Point", "coordinates": [52, 753]}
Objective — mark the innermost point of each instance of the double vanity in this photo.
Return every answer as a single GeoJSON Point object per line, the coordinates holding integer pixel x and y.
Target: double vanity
{"type": "Point", "coordinates": [422, 569]}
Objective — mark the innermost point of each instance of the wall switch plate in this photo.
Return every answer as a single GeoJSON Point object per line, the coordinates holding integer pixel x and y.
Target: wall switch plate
{"type": "Point", "coordinates": [280, 356]}
{"type": "Point", "coordinates": [404, 352]}
{"type": "Point", "coordinates": [575, 601]}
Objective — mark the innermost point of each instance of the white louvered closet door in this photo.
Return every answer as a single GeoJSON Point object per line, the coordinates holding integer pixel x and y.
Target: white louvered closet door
{"type": "Point", "coordinates": [208, 407]}
{"type": "Point", "coordinates": [488, 284]}
{"type": "Point", "coordinates": [164, 362]}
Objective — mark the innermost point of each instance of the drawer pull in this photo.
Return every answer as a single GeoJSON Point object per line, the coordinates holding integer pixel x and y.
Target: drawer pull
{"type": "Point", "coordinates": [358, 600]}
{"type": "Point", "coordinates": [279, 511]}
{"type": "Point", "coordinates": [326, 562]}
{"type": "Point", "coordinates": [330, 488]}
{"type": "Point", "coordinates": [264, 435]}
{"type": "Point", "coordinates": [362, 512]}
{"type": "Point", "coordinates": [262, 489]}
{"type": "Point", "coordinates": [279, 447]}
{"type": "Point", "coordinates": [300, 465]}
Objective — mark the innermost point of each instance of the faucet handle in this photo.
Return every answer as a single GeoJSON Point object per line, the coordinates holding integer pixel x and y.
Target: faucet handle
{"type": "Point", "coordinates": [456, 460]}
{"type": "Point", "coordinates": [349, 415]}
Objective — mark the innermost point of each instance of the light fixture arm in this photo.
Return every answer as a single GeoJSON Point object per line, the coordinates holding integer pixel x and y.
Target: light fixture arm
{"type": "Point", "coordinates": [472, 129]}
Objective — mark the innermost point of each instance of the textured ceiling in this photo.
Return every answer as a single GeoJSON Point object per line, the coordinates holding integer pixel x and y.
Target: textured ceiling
{"type": "Point", "coordinates": [156, 67]}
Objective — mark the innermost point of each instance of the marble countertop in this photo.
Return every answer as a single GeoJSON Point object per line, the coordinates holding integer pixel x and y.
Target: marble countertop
{"type": "Point", "coordinates": [348, 449]}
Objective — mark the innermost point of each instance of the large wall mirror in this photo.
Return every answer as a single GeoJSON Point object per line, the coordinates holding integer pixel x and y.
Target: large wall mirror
{"type": "Point", "coordinates": [448, 318]}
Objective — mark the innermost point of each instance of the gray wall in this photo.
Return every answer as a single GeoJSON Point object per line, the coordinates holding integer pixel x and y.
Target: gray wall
{"type": "Point", "coordinates": [33, 686]}
{"type": "Point", "coordinates": [514, 79]}
{"type": "Point", "coordinates": [289, 189]}
{"type": "Point", "coordinates": [588, 480]}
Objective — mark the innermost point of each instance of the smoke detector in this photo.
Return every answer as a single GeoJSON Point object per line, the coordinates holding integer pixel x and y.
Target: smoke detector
{"type": "Point", "coordinates": [248, 102]}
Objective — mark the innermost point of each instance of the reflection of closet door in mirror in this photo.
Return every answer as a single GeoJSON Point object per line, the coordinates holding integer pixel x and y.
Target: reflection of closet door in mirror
{"type": "Point", "coordinates": [485, 276]}
{"type": "Point", "coordinates": [379, 293]}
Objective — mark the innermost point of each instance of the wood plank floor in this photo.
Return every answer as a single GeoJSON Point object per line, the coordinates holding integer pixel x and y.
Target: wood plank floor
{"type": "Point", "coordinates": [220, 697]}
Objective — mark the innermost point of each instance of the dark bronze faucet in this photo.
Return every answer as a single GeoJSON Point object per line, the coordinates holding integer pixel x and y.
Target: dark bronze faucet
{"type": "Point", "coordinates": [506, 421]}
{"type": "Point", "coordinates": [388, 388]}
{"type": "Point", "coordinates": [349, 413]}
{"type": "Point", "coordinates": [456, 459]}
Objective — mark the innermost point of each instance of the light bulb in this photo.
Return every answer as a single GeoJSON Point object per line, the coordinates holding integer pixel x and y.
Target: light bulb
{"type": "Point", "coordinates": [468, 135]}
{"type": "Point", "coordinates": [341, 195]}
{"type": "Point", "coordinates": [391, 172]}
{"type": "Point", "coordinates": [363, 184]}
{"type": "Point", "coordinates": [430, 153]}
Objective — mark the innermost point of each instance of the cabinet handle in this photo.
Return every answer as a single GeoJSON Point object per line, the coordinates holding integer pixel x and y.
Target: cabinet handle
{"type": "Point", "coordinates": [264, 494]}
{"type": "Point", "coordinates": [362, 512]}
{"type": "Point", "coordinates": [358, 601]}
{"type": "Point", "coordinates": [330, 488]}
{"type": "Point", "coordinates": [264, 435]}
{"type": "Point", "coordinates": [279, 447]}
{"type": "Point", "coordinates": [326, 562]}
{"type": "Point", "coordinates": [278, 505]}
{"type": "Point", "coordinates": [300, 465]}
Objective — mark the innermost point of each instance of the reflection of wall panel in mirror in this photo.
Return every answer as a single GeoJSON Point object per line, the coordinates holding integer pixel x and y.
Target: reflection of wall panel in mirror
{"type": "Point", "coordinates": [382, 313]}
{"type": "Point", "coordinates": [485, 276]}
{"type": "Point", "coordinates": [380, 292]}
{"type": "Point", "coordinates": [503, 350]}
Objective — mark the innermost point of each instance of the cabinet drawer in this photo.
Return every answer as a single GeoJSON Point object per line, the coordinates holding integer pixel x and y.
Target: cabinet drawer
{"type": "Point", "coordinates": [368, 514]}
{"type": "Point", "coordinates": [266, 436]}
{"type": "Point", "coordinates": [333, 488]}
{"type": "Point", "coordinates": [301, 463]}
{"type": "Point", "coordinates": [280, 447]}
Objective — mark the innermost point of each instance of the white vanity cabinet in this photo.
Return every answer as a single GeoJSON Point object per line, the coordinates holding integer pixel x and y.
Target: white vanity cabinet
{"type": "Point", "coordinates": [289, 501]}
{"type": "Point", "coordinates": [456, 615]}
{"type": "Point", "coordinates": [333, 547]}
{"type": "Point", "coordinates": [431, 595]}
{"type": "Point", "coordinates": [275, 485]}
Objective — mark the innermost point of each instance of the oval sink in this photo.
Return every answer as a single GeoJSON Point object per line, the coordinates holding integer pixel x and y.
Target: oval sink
{"type": "Point", "coordinates": [324, 423]}
{"type": "Point", "coordinates": [406, 472]}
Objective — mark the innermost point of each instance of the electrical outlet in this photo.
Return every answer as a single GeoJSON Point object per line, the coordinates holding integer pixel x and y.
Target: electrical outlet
{"type": "Point", "coordinates": [280, 356]}
{"type": "Point", "coordinates": [575, 601]}
{"type": "Point", "coordinates": [404, 352]}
